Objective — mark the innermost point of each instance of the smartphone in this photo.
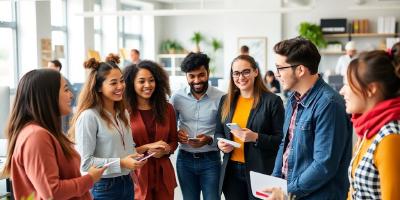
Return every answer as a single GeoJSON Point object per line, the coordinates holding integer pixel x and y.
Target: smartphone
{"type": "Point", "coordinates": [107, 164]}
{"type": "Point", "coordinates": [145, 157]}
{"type": "Point", "coordinates": [233, 126]}
{"type": "Point", "coordinates": [193, 139]}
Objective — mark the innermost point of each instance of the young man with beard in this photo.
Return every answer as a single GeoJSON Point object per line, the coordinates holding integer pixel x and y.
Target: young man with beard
{"type": "Point", "coordinates": [198, 163]}
{"type": "Point", "coordinates": [316, 150]}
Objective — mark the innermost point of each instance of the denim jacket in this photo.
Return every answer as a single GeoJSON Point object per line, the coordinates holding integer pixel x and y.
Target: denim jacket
{"type": "Point", "coordinates": [321, 149]}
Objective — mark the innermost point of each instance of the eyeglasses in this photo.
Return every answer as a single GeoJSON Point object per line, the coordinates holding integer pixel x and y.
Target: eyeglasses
{"type": "Point", "coordinates": [245, 73]}
{"type": "Point", "coordinates": [278, 69]}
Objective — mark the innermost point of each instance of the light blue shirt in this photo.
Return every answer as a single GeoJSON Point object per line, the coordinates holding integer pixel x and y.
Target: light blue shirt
{"type": "Point", "coordinates": [99, 143]}
{"type": "Point", "coordinates": [197, 116]}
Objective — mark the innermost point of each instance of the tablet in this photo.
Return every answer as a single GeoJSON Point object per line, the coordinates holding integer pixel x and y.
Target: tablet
{"type": "Point", "coordinates": [233, 143]}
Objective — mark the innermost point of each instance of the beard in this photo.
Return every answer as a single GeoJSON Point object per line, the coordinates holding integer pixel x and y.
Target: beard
{"type": "Point", "coordinates": [201, 90]}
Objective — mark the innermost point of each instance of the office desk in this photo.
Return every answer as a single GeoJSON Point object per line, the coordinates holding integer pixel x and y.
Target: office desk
{"type": "Point", "coordinates": [8, 194]}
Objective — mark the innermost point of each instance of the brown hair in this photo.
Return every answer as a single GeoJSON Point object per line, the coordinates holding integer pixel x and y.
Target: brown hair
{"type": "Point", "coordinates": [90, 97]}
{"type": "Point", "coordinates": [299, 51]}
{"type": "Point", "coordinates": [374, 66]}
{"type": "Point", "coordinates": [233, 90]}
{"type": "Point", "coordinates": [36, 105]}
{"type": "Point", "coordinates": [158, 99]}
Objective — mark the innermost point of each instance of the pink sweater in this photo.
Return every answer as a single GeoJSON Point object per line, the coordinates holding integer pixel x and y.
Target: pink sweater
{"type": "Point", "coordinates": [39, 166]}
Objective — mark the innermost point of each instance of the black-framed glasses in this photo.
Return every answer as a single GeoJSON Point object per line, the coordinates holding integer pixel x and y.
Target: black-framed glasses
{"type": "Point", "coordinates": [278, 69]}
{"type": "Point", "coordinates": [245, 73]}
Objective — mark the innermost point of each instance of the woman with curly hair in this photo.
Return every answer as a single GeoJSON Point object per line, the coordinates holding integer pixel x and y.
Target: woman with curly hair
{"type": "Point", "coordinates": [102, 130]}
{"type": "Point", "coordinates": [153, 124]}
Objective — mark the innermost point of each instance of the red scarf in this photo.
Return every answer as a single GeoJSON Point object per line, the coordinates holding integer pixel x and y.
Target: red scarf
{"type": "Point", "coordinates": [373, 120]}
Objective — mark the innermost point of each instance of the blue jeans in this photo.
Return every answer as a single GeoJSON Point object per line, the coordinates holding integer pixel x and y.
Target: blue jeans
{"type": "Point", "coordinates": [120, 187]}
{"type": "Point", "coordinates": [199, 173]}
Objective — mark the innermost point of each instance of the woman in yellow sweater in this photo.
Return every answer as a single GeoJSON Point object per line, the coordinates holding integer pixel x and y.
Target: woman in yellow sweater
{"type": "Point", "coordinates": [259, 113]}
{"type": "Point", "coordinates": [372, 96]}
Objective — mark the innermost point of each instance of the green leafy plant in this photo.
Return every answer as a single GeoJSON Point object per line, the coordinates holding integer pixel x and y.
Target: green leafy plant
{"type": "Point", "coordinates": [171, 47]}
{"type": "Point", "coordinates": [197, 38]}
{"type": "Point", "coordinates": [313, 33]}
{"type": "Point", "coordinates": [216, 44]}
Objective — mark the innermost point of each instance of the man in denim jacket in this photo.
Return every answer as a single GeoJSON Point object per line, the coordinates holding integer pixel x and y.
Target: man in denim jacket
{"type": "Point", "coordinates": [316, 150]}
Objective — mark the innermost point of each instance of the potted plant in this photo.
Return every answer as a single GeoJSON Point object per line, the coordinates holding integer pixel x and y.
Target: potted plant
{"type": "Point", "coordinates": [171, 47]}
{"type": "Point", "coordinates": [197, 38]}
{"type": "Point", "coordinates": [313, 33]}
{"type": "Point", "coordinates": [216, 45]}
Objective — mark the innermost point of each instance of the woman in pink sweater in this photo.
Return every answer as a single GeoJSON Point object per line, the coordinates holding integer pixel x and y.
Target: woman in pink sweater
{"type": "Point", "coordinates": [41, 159]}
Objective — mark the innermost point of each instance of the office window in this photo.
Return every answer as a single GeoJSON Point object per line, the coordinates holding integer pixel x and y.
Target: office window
{"type": "Point", "coordinates": [8, 47]}
{"type": "Point", "coordinates": [59, 34]}
{"type": "Point", "coordinates": [6, 11]}
{"type": "Point", "coordinates": [7, 57]}
{"type": "Point", "coordinates": [98, 33]}
{"type": "Point", "coordinates": [130, 29]}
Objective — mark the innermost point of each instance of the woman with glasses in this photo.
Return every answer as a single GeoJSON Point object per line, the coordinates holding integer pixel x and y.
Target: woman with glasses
{"type": "Point", "coordinates": [259, 115]}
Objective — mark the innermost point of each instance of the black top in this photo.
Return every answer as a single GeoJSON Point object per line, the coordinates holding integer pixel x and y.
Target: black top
{"type": "Point", "coordinates": [266, 120]}
{"type": "Point", "coordinates": [275, 84]}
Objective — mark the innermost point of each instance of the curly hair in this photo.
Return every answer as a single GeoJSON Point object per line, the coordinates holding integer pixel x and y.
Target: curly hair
{"type": "Point", "coordinates": [159, 99]}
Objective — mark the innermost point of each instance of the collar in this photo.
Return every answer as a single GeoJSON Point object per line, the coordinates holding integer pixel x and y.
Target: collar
{"type": "Point", "coordinates": [206, 94]}
{"type": "Point", "coordinates": [309, 96]}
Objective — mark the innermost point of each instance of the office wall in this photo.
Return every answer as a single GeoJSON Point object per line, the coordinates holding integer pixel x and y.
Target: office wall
{"type": "Point", "coordinates": [227, 28]}
{"type": "Point", "coordinates": [340, 9]}
{"type": "Point", "coordinates": [274, 26]}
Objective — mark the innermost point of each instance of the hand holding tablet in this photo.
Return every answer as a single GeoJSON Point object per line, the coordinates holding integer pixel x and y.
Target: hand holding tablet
{"type": "Point", "coordinates": [234, 144]}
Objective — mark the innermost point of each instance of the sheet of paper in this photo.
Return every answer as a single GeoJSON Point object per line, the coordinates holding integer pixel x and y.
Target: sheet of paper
{"type": "Point", "coordinates": [259, 182]}
{"type": "Point", "coordinates": [233, 143]}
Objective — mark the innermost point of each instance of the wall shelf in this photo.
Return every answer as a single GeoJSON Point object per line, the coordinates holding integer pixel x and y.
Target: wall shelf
{"type": "Point", "coordinates": [332, 52]}
{"type": "Point", "coordinates": [360, 35]}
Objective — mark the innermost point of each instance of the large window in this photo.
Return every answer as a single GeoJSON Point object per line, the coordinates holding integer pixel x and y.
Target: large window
{"type": "Point", "coordinates": [8, 47]}
{"type": "Point", "coordinates": [97, 22]}
{"type": "Point", "coordinates": [59, 35]}
{"type": "Point", "coordinates": [130, 29]}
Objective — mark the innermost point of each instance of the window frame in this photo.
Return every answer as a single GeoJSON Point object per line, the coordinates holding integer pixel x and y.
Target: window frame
{"type": "Point", "coordinates": [13, 25]}
{"type": "Point", "coordinates": [63, 29]}
{"type": "Point", "coordinates": [122, 35]}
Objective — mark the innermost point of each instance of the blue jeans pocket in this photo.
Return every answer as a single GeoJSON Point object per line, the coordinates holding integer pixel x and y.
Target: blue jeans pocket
{"type": "Point", "coordinates": [103, 185]}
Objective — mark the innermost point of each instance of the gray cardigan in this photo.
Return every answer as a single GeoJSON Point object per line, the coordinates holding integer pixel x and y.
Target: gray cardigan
{"type": "Point", "coordinates": [99, 143]}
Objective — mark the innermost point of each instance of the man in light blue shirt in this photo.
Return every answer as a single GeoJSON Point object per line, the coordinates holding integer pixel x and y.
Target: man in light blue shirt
{"type": "Point", "coordinates": [198, 163]}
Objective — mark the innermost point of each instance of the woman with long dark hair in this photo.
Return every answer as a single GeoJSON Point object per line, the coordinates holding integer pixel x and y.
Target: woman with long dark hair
{"type": "Point", "coordinates": [102, 130]}
{"type": "Point", "coordinates": [153, 124]}
{"type": "Point", "coordinates": [41, 159]}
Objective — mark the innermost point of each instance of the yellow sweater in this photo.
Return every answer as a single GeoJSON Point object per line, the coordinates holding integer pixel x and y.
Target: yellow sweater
{"type": "Point", "coordinates": [387, 161]}
{"type": "Point", "coordinates": [240, 116]}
